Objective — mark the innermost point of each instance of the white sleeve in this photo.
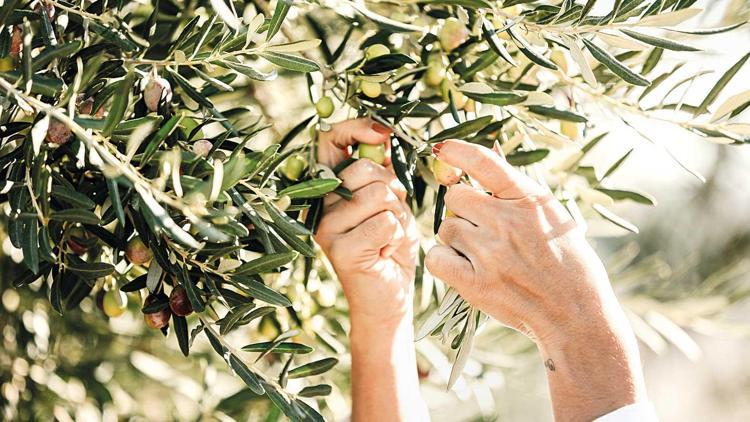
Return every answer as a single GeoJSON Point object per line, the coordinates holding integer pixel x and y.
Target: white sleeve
{"type": "Point", "coordinates": [637, 412]}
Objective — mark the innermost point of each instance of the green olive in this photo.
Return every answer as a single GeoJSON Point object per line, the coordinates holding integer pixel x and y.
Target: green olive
{"type": "Point", "coordinates": [293, 167]}
{"type": "Point", "coordinates": [376, 50]}
{"type": "Point", "coordinates": [324, 107]}
{"type": "Point", "coordinates": [447, 90]}
{"type": "Point", "coordinates": [110, 304]}
{"type": "Point", "coordinates": [6, 64]}
{"type": "Point", "coordinates": [371, 89]}
{"type": "Point", "coordinates": [375, 153]}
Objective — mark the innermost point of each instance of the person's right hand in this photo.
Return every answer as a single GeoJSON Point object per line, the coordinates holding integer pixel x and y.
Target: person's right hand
{"type": "Point", "coordinates": [514, 252]}
{"type": "Point", "coordinates": [371, 239]}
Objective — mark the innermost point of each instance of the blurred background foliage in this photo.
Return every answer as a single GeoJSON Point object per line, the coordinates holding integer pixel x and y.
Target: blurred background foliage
{"type": "Point", "coordinates": [684, 280]}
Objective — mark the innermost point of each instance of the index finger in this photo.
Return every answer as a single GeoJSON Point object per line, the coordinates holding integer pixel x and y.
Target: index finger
{"type": "Point", "coordinates": [334, 145]}
{"type": "Point", "coordinates": [487, 167]}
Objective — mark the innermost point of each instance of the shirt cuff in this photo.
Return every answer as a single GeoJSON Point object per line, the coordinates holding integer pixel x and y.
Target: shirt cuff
{"type": "Point", "coordinates": [637, 412]}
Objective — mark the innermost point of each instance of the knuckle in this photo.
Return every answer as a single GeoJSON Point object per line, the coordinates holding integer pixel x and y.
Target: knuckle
{"type": "Point", "coordinates": [370, 228]}
{"type": "Point", "coordinates": [378, 190]}
{"type": "Point", "coordinates": [448, 230]}
{"type": "Point", "coordinates": [390, 221]}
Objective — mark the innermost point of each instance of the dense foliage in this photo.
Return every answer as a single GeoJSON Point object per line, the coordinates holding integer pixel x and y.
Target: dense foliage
{"type": "Point", "coordinates": [141, 172]}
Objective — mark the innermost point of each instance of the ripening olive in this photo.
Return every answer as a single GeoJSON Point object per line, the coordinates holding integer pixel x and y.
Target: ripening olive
{"type": "Point", "coordinates": [158, 319]}
{"type": "Point", "coordinates": [179, 302]}
{"type": "Point", "coordinates": [77, 241]}
{"type": "Point", "coordinates": [446, 174]}
{"type": "Point", "coordinates": [16, 42]}
{"type": "Point", "coordinates": [6, 64]}
{"type": "Point", "coordinates": [448, 90]}
{"type": "Point", "coordinates": [58, 132]}
{"type": "Point", "coordinates": [452, 34]}
{"type": "Point", "coordinates": [137, 252]}
{"type": "Point", "coordinates": [156, 89]}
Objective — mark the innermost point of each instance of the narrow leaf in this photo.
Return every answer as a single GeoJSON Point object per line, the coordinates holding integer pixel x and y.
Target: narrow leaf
{"type": "Point", "coordinates": [615, 65]}
{"type": "Point", "coordinates": [266, 263]}
{"type": "Point", "coordinates": [246, 374]}
{"type": "Point", "coordinates": [282, 8]}
{"type": "Point", "coordinates": [463, 130]}
{"type": "Point", "coordinates": [315, 391]}
{"type": "Point", "coordinates": [314, 188]}
{"type": "Point", "coordinates": [723, 81]}
{"type": "Point", "coordinates": [291, 62]}
{"type": "Point", "coordinates": [313, 368]}
{"type": "Point", "coordinates": [664, 43]}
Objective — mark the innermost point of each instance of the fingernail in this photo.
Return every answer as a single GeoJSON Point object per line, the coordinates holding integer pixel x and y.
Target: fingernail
{"type": "Point", "coordinates": [381, 129]}
{"type": "Point", "coordinates": [436, 148]}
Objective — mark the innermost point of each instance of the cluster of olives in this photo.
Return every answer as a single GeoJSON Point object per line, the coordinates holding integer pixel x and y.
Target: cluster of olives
{"type": "Point", "coordinates": [113, 302]}
{"type": "Point", "coordinates": [156, 91]}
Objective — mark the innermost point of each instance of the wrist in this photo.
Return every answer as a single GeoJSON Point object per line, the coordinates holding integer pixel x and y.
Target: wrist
{"type": "Point", "coordinates": [592, 364]}
{"type": "Point", "coordinates": [372, 325]}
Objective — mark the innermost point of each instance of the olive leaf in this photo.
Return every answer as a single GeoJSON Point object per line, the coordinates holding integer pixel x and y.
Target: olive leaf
{"type": "Point", "coordinates": [313, 368]}
{"type": "Point", "coordinates": [283, 347]}
{"type": "Point", "coordinates": [88, 270]}
{"type": "Point", "coordinates": [615, 65]}
{"type": "Point", "coordinates": [250, 378]}
{"type": "Point", "coordinates": [463, 130]}
{"type": "Point", "coordinates": [664, 43]}
{"type": "Point", "coordinates": [314, 188]}
{"type": "Point", "coordinates": [614, 218]}
{"type": "Point", "coordinates": [266, 263]}
{"type": "Point", "coordinates": [315, 391]}
{"type": "Point", "coordinates": [723, 81]}
{"type": "Point", "coordinates": [282, 8]}
{"type": "Point", "coordinates": [291, 62]}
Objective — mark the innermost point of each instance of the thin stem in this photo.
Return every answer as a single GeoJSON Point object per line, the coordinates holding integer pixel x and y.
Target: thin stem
{"type": "Point", "coordinates": [79, 12]}
{"type": "Point", "coordinates": [39, 212]}
{"type": "Point", "coordinates": [194, 62]}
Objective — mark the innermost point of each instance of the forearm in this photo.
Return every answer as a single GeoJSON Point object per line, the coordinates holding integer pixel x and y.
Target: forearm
{"type": "Point", "coordinates": [593, 365]}
{"type": "Point", "coordinates": [385, 385]}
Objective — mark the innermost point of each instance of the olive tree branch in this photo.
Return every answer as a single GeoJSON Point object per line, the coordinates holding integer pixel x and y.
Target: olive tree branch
{"type": "Point", "coordinates": [636, 109]}
{"type": "Point", "coordinates": [79, 12]}
{"type": "Point", "coordinates": [101, 150]}
{"type": "Point", "coordinates": [234, 351]}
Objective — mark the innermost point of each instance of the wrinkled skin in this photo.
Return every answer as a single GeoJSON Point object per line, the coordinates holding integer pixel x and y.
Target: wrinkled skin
{"type": "Point", "coordinates": [514, 251]}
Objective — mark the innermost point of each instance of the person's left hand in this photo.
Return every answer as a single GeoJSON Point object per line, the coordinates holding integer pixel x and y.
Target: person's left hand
{"type": "Point", "coordinates": [371, 239]}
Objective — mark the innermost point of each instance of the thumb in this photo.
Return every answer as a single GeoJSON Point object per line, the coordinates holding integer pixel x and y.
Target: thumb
{"type": "Point", "coordinates": [335, 145]}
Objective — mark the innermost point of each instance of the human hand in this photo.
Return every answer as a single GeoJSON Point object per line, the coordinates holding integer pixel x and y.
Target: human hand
{"type": "Point", "coordinates": [518, 255]}
{"type": "Point", "coordinates": [371, 240]}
